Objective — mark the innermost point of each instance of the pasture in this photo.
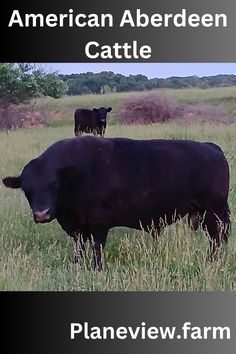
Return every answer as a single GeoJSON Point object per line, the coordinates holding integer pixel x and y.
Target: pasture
{"type": "Point", "coordinates": [38, 257]}
{"type": "Point", "coordinates": [59, 112]}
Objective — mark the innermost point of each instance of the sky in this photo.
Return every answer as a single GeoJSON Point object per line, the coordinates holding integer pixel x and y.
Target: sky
{"type": "Point", "coordinates": [151, 70]}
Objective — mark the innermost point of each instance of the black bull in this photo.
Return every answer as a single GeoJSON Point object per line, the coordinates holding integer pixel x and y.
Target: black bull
{"type": "Point", "coordinates": [91, 185]}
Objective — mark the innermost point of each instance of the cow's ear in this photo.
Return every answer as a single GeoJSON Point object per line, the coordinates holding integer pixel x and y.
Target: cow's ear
{"type": "Point", "coordinates": [12, 182]}
{"type": "Point", "coordinates": [109, 109]}
{"type": "Point", "coordinates": [95, 110]}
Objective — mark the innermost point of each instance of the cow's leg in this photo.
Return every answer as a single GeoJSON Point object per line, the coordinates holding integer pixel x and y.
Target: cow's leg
{"type": "Point", "coordinates": [217, 226]}
{"type": "Point", "coordinates": [78, 131]}
{"type": "Point", "coordinates": [95, 132]}
{"type": "Point", "coordinates": [98, 241]}
{"type": "Point", "coordinates": [194, 218]}
{"type": "Point", "coordinates": [103, 131]}
{"type": "Point", "coordinates": [227, 222]}
{"type": "Point", "coordinates": [79, 248]}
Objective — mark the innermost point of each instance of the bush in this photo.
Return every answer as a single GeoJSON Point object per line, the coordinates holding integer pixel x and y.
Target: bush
{"type": "Point", "coordinates": [158, 108]}
{"type": "Point", "coordinates": [14, 116]}
{"type": "Point", "coordinates": [148, 109]}
{"type": "Point", "coordinates": [19, 84]}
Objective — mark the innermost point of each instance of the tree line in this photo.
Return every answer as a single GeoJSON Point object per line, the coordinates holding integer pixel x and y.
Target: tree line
{"type": "Point", "coordinates": [108, 81]}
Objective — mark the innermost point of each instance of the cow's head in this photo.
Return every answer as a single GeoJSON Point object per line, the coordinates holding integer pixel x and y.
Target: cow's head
{"type": "Point", "coordinates": [40, 187]}
{"type": "Point", "coordinates": [102, 113]}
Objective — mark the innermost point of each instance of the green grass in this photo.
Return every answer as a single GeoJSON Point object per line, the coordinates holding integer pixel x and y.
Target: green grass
{"type": "Point", "coordinates": [61, 111]}
{"type": "Point", "coordinates": [38, 257]}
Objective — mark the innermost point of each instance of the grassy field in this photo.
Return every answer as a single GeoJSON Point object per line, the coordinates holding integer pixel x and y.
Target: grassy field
{"type": "Point", "coordinates": [38, 257]}
{"type": "Point", "coordinates": [61, 111]}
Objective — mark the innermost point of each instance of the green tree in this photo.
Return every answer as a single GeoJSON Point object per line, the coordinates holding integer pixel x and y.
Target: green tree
{"type": "Point", "coordinates": [20, 82]}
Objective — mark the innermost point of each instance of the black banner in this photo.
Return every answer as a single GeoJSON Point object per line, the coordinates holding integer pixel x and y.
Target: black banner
{"type": "Point", "coordinates": [150, 31]}
{"type": "Point", "coordinates": [70, 322]}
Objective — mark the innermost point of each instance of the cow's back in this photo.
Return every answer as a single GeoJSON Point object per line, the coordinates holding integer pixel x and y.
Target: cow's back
{"type": "Point", "coordinates": [157, 172]}
{"type": "Point", "coordinates": [142, 158]}
{"type": "Point", "coordinates": [136, 160]}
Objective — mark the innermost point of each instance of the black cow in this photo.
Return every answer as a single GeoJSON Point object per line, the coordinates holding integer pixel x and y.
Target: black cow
{"type": "Point", "coordinates": [91, 121]}
{"type": "Point", "coordinates": [91, 185]}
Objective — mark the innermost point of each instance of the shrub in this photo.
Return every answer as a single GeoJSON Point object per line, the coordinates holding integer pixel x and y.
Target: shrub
{"type": "Point", "coordinates": [19, 84]}
{"type": "Point", "coordinates": [14, 116]}
{"type": "Point", "coordinates": [148, 109]}
{"type": "Point", "coordinates": [158, 108]}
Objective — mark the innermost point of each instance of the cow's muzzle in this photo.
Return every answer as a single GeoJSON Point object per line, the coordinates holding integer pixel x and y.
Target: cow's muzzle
{"type": "Point", "coordinates": [42, 216]}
